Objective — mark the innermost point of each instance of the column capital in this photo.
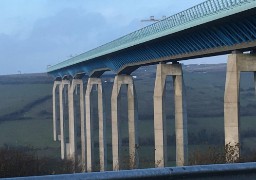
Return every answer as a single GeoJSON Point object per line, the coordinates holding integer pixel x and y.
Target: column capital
{"type": "Point", "coordinates": [175, 70]}
{"type": "Point", "coordinates": [132, 119]}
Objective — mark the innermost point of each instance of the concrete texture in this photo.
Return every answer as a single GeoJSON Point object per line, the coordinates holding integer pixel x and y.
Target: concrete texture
{"type": "Point", "coordinates": [102, 130]}
{"type": "Point", "coordinates": [160, 118]}
{"type": "Point", "coordinates": [180, 121]}
{"type": "Point", "coordinates": [237, 62]}
{"type": "Point", "coordinates": [67, 150]}
{"type": "Point", "coordinates": [56, 128]}
{"type": "Point", "coordinates": [132, 121]}
{"type": "Point", "coordinates": [116, 139]}
{"type": "Point", "coordinates": [72, 121]}
{"type": "Point", "coordinates": [83, 130]}
{"type": "Point", "coordinates": [72, 124]}
{"type": "Point", "coordinates": [89, 126]}
{"type": "Point", "coordinates": [174, 70]}
{"type": "Point", "coordinates": [132, 124]}
{"type": "Point", "coordinates": [62, 122]}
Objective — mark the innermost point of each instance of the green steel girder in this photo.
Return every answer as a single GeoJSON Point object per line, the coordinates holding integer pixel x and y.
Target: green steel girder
{"type": "Point", "coordinates": [203, 13]}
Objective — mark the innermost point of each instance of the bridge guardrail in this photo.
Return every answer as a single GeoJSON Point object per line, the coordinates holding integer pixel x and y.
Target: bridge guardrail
{"type": "Point", "coordinates": [218, 171]}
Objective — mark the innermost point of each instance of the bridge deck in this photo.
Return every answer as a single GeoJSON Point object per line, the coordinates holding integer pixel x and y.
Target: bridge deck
{"type": "Point", "coordinates": [113, 55]}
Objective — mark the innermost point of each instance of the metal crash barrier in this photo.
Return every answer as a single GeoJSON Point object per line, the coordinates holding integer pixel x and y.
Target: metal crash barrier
{"type": "Point", "coordinates": [209, 172]}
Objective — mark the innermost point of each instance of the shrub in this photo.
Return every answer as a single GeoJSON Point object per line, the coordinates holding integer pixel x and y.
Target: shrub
{"type": "Point", "coordinates": [17, 162]}
{"type": "Point", "coordinates": [217, 155]}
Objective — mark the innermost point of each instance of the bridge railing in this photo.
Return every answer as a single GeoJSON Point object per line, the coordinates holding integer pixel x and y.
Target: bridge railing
{"type": "Point", "coordinates": [211, 172]}
{"type": "Point", "coordinates": [204, 9]}
{"type": "Point", "coordinates": [201, 10]}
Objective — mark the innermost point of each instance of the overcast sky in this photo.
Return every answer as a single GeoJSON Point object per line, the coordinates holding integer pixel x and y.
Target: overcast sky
{"type": "Point", "coordinates": [37, 33]}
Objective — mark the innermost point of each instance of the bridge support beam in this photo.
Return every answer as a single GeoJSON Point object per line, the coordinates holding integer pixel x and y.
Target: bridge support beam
{"type": "Point", "coordinates": [72, 123]}
{"type": "Point", "coordinates": [72, 120]}
{"type": "Point", "coordinates": [62, 118]}
{"type": "Point", "coordinates": [174, 70]}
{"type": "Point", "coordinates": [237, 62]}
{"type": "Point", "coordinates": [56, 126]}
{"type": "Point", "coordinates": [89, 126]}
{"type": "Point", "coordinates": [132, 121]}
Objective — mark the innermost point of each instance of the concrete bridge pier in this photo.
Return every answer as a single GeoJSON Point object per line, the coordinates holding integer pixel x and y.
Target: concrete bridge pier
{"type": "Point", "coordinates": [175, 70]}
{"type": "Point", "coordinates": [89, 126]}
{"type": "Point", "coordinates": [237, 62]}
{"type": "Point", "coordinates": [64, 149]}
{"type": "Point", "coordinates": [56, 128]}
{"type": "Point", "coordinates": [72, 121]}
{"type": "Point", "coordinates": [132, 121]}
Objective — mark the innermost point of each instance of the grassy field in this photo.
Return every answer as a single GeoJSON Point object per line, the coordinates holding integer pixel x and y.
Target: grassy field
{"type": "Point", "coordinates": [25, 121]}
{"type": "Point", "coordinates": [16, 96]}
{"type": "Point", "coordinates": [26, 112]}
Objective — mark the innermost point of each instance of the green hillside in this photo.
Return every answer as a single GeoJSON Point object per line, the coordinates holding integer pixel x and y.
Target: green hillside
{"type": "Point", "coordinates": [26, 110]}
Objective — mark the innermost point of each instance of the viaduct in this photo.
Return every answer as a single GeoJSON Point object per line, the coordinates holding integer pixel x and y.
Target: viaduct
{"type": "Point", "coordinates": [214, 27]}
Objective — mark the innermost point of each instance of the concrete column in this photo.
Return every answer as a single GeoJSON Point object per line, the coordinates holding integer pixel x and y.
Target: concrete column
{"type": "Point", "coordinates": [102, 130]}
{"type": "Point", "coordinates": [83, 129]}
{"type": "Point", "coordinates": [89, 126]}
{"type": "Point", "coordinates": [56, 129]}
{"type": "Point", "coordinates": [62, 123]}
{"type": "Point", "coordinates": [116, 139]}
{"type": "Point", "coordinates": [231, 103]}
{"type": "Point", "coordinates": [67, 145]}
{"type": "Point", "coordinates": [132, 120]}
{"type": "Point", "coordinates": [72, 121]}
{"type": "Point", "coordinates": [180, 121]}
{"type": "Point", "coordinates": [160, 117]}
{"type": "Point", "coordinates": [132, 124]}
{"type": "Point", "coordinates": [237, 62]}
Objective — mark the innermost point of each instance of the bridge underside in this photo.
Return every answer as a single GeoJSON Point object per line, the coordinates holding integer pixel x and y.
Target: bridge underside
{"type": "Point", "coordinates": [222, 36]}
{"type": "Point", "coordinates": [237, 62]}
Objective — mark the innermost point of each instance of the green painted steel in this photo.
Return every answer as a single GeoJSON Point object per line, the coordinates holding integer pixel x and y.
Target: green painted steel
{"type": "Point", "coordinates": [202, 13]}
